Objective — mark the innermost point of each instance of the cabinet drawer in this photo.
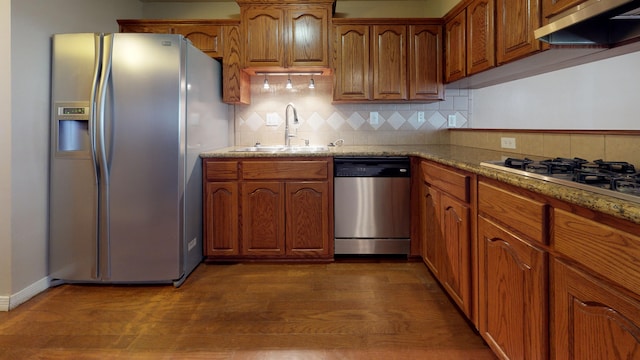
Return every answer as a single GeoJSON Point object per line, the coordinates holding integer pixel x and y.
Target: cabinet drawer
{"type": "Point", "coordinates": [450, 181]}
{"type": "Point", "coordinates": [523, 215]}
{"type": "Point", "coordinates": [221, 170]}
{"type": "Point", "coordinates": [611, 253]}
{"type": "Point", "coordinates": [285, 170]}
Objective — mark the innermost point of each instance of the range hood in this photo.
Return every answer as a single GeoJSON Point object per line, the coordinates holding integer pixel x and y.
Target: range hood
{"type": "Point", "coordinates": [595, 22]}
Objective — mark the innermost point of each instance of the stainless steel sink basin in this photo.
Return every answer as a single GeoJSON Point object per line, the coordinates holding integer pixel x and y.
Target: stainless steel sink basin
{"type": "Point", "coordinates": [260, 149]}
{"type": "Point", "coordinates": [307, 149]}
{"type": "Point", "coordinates": [282, 148]}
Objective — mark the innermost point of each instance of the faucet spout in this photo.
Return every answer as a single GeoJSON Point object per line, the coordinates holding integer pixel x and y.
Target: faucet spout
{"type": "Point", "coordinates": [287, 133]}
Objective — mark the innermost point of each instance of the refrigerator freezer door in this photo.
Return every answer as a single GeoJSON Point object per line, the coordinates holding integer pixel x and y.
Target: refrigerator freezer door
{"type": "Point", "coordinates": [73, 183]}
{"type": "Point", "coordinates": [145, 146]}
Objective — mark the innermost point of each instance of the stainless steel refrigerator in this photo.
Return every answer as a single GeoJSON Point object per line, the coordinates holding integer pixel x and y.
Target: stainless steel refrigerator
{"type": "Point", "coordinates": [130, 115]}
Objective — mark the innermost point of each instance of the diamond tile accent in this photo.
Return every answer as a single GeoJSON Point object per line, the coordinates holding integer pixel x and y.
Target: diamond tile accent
{"type": "Point", "coordinates": [355, 120]}
{"type": "Point", "coordinates": [381, 121]}
{"type": "Point", "coordinates": [437, 120]}
{"type": "Point", "coordinates": [254, 121]}
{"type": "Point", "coordinates": [315, 121]}
{"type": "Point", "coordinates": [396, 120]}
{"type": "Point", "coordinates": [413, 119]}
{"type": "Point", "coordinates": [335, 121]}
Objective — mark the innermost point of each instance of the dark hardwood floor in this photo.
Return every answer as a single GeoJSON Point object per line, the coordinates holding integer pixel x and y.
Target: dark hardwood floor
{"type": "Point", "coordinates": [342, 310]}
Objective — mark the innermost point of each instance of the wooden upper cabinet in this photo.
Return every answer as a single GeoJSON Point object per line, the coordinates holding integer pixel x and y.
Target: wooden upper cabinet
{"type": "Point", "coordinates": [390, 62]}
{"type": "Point", "coordinates": [480, 36]}
{"type": "Point", "coordinates": [516, 21]}
{"type": "Point", "coordinates": [455, 47]}
{"type": "Point", "coordinates": [352, 63]}
{"type": "Point", "coordinates": [141, 26]}
{"type": "Point", "coordinates": [207, 38]}
{"type": "Point", "coordinates": [309, 37]}
{"type": "Point", "coordinates": [554, 7]}
{"type": "Point", "coordinates": [264, 37]}
{"type": "Point", "coordinates": [285, 34]}
{"type": "Point", "coordinates": [425, 62]}
{"type": "Point", "coordinates": [219, 39]}
{"type": "Point", "coordinates": [206, 35]}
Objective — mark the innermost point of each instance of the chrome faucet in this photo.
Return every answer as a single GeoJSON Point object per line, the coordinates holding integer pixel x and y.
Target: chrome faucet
{"type": "Point", "coordinates": [287, 135]}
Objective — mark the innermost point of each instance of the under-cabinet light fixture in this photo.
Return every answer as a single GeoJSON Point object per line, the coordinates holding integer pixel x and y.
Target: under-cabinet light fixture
{"type": "Point", "coordinates": [312, 84]}
{"type": "Point", "coordinates": [289, 84]}
{"type": "Point", "coordinates": [266, 82]}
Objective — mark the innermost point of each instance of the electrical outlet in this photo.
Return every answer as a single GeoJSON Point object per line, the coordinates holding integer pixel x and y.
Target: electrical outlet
{"type": "Point", "coordinates": [508, 143]}
{"type": "Point", "coordinates": [420, 117]}
{"type": "Point", "coordinates": [451, 121]}
{"type": "Point", "coordinates": [272, 119]}
{"type": "Point", "coordinates": [373, 118]}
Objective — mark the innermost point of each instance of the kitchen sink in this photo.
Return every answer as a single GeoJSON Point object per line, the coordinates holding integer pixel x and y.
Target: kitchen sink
{"type": "Point", "coordinates": [260, 149]}
{"type": "Point", "coordinates": [307, 149]}
{"type": "Point", "coordinates": [282, 148]}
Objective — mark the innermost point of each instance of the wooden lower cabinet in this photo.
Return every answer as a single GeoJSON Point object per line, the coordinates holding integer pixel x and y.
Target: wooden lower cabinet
{"type": "Point", "coordinates": [275, 209]}
{"type": "Point", "coordinates": [308, 232]}
{"type": "Point", "coordinates": [263, 218]}
{"type": "Point", "coordinates": [446, 229]}
{"type": "Point", "coordinates": [596, 286]}
{"type": "Point", "coordinates": [512, 234]}
{"type": "Point", "coordinates": [592, 320]}
{"type": "Point", "coordinates": [221, 211]}
{"type": "Point", "coordinates": [513, 301]}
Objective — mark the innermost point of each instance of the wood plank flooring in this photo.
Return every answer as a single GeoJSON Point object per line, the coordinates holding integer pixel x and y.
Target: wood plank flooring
{"type": "Point", "coordinates": [342, 310]}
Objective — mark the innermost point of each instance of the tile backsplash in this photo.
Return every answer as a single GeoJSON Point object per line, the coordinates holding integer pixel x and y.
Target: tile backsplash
{"type": "Point", "coordinates": [322, 122]}
{"type": "Point", "coordinates": [610, 147]}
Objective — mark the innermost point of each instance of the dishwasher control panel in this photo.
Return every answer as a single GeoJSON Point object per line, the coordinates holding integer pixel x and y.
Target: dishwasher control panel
{"type": "Point", "coordinates": [371, 167]}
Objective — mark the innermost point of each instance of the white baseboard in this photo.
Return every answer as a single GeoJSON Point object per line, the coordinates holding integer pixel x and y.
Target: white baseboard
{"type": "Point", "coordinates": [11, 302]}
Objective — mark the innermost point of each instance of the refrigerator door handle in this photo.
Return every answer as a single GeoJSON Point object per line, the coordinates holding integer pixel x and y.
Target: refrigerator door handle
{"type": "Point", "coordinates": [92, 135]}
{"type": "Point", "coordinates": [103, 164]}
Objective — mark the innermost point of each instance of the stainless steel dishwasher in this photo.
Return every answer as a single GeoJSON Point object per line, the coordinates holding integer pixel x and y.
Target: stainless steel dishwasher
{"type": "Point", "coordinates": [372, 206]}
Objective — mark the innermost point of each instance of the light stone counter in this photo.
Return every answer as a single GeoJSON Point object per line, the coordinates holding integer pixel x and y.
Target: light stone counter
{"type": "Point", "coordinates": [469, 159]}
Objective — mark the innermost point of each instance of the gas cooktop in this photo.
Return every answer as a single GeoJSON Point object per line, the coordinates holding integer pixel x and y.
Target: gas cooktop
{"type": "Point", "coordinates": [613, 178]}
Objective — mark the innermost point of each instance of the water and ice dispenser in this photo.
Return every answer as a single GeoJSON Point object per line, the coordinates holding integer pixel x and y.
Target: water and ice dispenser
{"type": "Point", "coordinates": [72, 130]}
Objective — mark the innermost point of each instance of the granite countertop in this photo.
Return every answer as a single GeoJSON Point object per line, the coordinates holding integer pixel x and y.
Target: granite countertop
{"type": "Point", "coordinates": [469, 159]}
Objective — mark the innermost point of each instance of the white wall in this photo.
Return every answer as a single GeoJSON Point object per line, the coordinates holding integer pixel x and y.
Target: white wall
{"type": "Point", "coordinates": [5, 154]}
{"type": "Point", "coordinates": [32, 23]}
{"type": "Point", "coordinates": [602, 95]}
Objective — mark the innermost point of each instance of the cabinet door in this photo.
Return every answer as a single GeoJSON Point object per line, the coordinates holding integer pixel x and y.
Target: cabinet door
{"type": "Point", "coordinates": [425, 62]}
{"type": "Point", "coordinates": [513, 307]}
{"type": "Point", "coordinates": [207, 38]}
{"type": "Point", "coordinates": [307, 218]}
{"type": "Point", "coordinates": [517, 19]}
{"type": "Point", "coordinates": [480, 36]}
{"type": "Point", "coordinates": [263, 228]}
{"type": "Point", "coordinates": [432, 231]}
{"type": "Point", "coordinates": [221, 219]}
{"type": "Point", "coordinates": [455, 262]}
{"type": "Point", "coordinates": [389, 62]}
{"type": "Point", "coordinates": [554, 7]}
{"type": "Point", "coordinates": [455, 48]}
{"type": "Point", "coordinates": [147, 28]}
{"type": "Point", "coordinates": [264, 37]}
{"type": "Point", "coordinates": [308, 31]}
{"type": "Point", "coordinates": [352, 63]}
{"type": "Point", "coordinates": [236, 84]}
{"type": "Point", "coordinates": [591, 320]}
